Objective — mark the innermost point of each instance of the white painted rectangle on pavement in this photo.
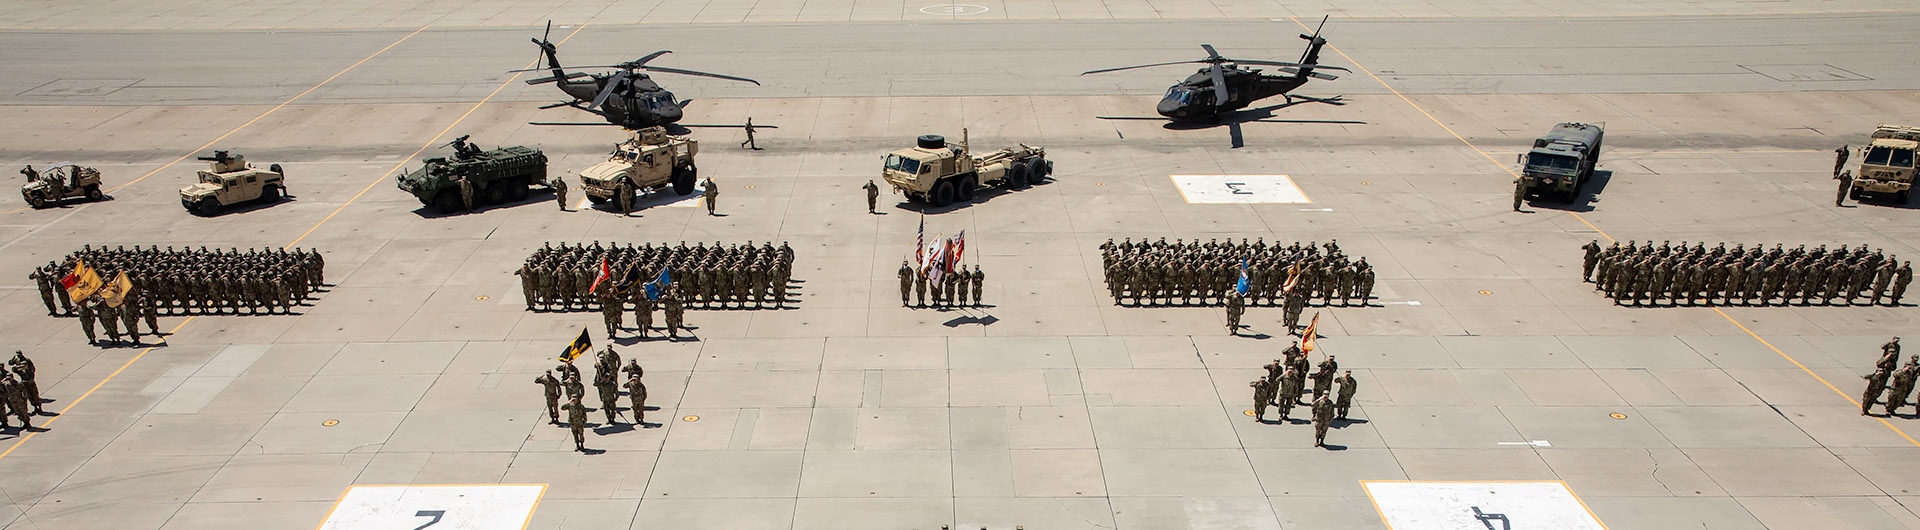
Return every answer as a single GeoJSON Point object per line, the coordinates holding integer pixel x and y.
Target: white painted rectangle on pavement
{"type": "Point", "coordinates": [1239, 189]}
{"type": "Point", "coordinates": [436, 507]}
{"type": "Point", "coordinates": [1413, 505]}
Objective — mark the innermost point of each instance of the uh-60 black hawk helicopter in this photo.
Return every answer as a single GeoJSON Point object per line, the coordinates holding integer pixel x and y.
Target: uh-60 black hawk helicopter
{"type": "Point", "coordinates": [1224, 86]}
{"type": "Point", "coordinates": [624, 97]}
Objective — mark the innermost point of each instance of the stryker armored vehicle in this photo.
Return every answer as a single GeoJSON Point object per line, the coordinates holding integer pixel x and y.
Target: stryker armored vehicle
{"type": "Point", "coordinates": [498, 176]}
{"type": "Point", "coordinates": [1888, 165]}
{"type": "Point", "coordinates": [59, 182]}
{"type": "Point", "coordinates": [1562, 162]}
{"type": "Point", "coordinates": [939, 174]}
{"type": "Point", "coordinates": [649, 161]}
{"type": "Point", "coordinates": [230, 180]}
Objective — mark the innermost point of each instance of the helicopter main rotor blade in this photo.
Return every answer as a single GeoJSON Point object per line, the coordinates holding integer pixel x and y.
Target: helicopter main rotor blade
{"type": "Point", "coordinates": [1105, 70]}
{"type": "Point", "coordinates": [651, 56]}
{"type": "Point", "coordinates": [613, 83]}
{"type": "Point", "coordinates": [727, 125]}
{"type": "Point", "coordinates": [696, 73]}
{"type": "Point", "coordinates": [1219, 85]}
{"type": "Point", "coordinates": [1214, 55]}
{"type": "Point", "coordinates": [1284, 64]}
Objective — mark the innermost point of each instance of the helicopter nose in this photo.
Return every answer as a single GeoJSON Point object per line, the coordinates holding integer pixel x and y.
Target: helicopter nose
{"type": "Point", "coordinates": [670, 114]}
{"type": "Point", "coordinates": [1171, 108]}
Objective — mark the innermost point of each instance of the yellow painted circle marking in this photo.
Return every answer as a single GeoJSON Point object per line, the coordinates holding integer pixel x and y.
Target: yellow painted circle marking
{"type": "Point", "coordinates": [330, 423]}
{"type": "Point", "coordinates": [749, 186]}
{"type": "Point", "coordinates": [1366, 184]}
{"type": "Point", "coordinates": [690, 417]}
{"type": "Point", "coordinates": [1617, 416]}
{"type": "Point", "coordinates": [1484, 292]}
{"type": "Point", "coordinates": [482, 298]}
{"type": "Point", "coordinates": [1099, 183]}
{"type": "Point", "coordinates": [1247, 412]}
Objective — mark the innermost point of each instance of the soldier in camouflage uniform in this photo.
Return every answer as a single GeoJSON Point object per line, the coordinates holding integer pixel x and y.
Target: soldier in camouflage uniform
{"type": "Point", "coordinates": [637, 393]}
{"type": "Point", "coordinates": [23, 367]}
{"type": "Point", "coordinates": [675, 314]}
{"type": "Point", "coordinates": [550, 388]}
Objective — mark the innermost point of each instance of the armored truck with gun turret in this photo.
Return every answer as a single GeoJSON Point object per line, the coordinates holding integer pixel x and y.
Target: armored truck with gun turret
{"type": "Point", "coordinates": [939, 174]}
{"type": "Point", "coordinates": [647, 162]}
{"type": "Point", "coordinates": [1560, 163]}
{"type": "Point", "coordinates": [498, 176]}
{"type": "Point", "coordinates": [1887, 164]}
{"type": "Point", "coordinates": [230, 180]}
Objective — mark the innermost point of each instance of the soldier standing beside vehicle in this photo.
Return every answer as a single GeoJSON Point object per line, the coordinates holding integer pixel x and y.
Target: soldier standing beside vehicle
{"type": "Point", "coordinates": [560, 193]}
{"type": "Point", "coordinates": [466, 191]}
{"type": "Point", "coordinates": [709, 193]}
{"type": "Point", "coordinates": [873, 196]}
{"type": "Point", "coordinates": [1839, 159]}
{"type": "Point", "coordinates": [32, 174]}
{"type": "Point", "coordinates": [1519, 193]}
{"type": "Point", "coordinates": [1846, 182]}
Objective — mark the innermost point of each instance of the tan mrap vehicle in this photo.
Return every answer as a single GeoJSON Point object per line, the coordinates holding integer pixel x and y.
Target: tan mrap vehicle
{"type": "Point", "coordinates": [59, 182]}
{"type": "Point", "coordinates": [932, 171]}
{"type": "Point", "coordinates": [230, 180]}
{"type": "Point", "coordinates": [1887, 163]}
{"type": "Point", "coordinates": [649, 161]}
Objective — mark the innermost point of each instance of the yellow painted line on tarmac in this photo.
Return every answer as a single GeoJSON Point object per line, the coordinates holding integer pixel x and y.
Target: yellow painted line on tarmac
{"type": "Point", "coordinates": [1816, 377]}
{"type": "Point", "coordinates": [263, 115]}
{"type": "Point", "coordinates": [1436, 121]}
{"type": "Point", "coordinates": [90, 391]}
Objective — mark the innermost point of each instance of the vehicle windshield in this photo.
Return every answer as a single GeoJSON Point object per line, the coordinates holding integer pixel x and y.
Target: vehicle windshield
{"type": "Point", "coordinates": [1554, 162]}
{"type": "Point", "coordinates": [1180, 95]}
{"type": "Point", "coordinates": [1889, 156]}
{"type": "Point", "coordinates": [903, 164]}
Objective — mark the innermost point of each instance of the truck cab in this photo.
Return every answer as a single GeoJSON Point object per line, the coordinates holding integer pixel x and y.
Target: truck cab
{"type": "Point", "coordinates": [1887, 164]}
{"type": "Point", "coordinates": [1560, 163]}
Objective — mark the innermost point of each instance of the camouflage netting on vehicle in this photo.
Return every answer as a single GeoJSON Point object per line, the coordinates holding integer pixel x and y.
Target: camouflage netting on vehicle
{"type": "Point", "coordinates": [561, 278]}
{"type": "Point", "coordinates": [1182, 273]}
{"type": "Point", "coordinates": [1648, 275]}
{"type": "Point", "coordinates": [197, 281]}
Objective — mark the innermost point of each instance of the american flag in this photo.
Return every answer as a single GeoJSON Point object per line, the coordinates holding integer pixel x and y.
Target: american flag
{"type": "Point", "coordinates": [920, 245]}
{"type": "Point", "coordinates": [957, 246]}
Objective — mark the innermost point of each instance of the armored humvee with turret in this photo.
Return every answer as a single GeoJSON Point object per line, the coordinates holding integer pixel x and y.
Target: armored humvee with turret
{"type": "Point", "coordinates": [934, 172]}
{"type": "Point", "coordinates": [1887, 167]}
{"type": "Point", "coordinates": [230, 180]}
{"type": "Point", "coordinates": [55, 184]}
{"type": "Point", "coordinates": [649, 161]}
{"type": "Point", "coordinates": [1560, 163]}
{"type": "Point", "coordinates": [498, 176]}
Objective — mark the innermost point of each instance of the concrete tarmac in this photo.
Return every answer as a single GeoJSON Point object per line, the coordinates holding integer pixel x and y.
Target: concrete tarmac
{"type": "Point", "coordinates": [1483, 357]}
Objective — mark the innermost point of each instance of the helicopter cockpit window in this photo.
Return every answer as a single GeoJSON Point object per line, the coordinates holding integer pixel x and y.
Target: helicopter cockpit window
{"type": "Point", "coordinates": [1181, 95]}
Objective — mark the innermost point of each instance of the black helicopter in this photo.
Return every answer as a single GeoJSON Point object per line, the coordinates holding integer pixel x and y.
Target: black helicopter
{"type": "Point", "coordinates": [624, 97]}
{"type": "Point", "coordinates": [1223, 86]}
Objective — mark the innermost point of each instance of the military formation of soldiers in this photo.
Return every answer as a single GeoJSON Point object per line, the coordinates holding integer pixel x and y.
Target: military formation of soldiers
{"type": "Point", "coordinates": [1637, 274]}
{"type": "Point", "coordinates": [1890, 384]}
{"type": "Point", "coordinates": [952, 289]}
{"type": "Point", "coordinates": [1286, 378]}
{"type": "Point", "coordinates": [606, 372]}
{"type": "Point", "coordinates": [1182, 273]}
{"type": "Point", "coordinates": [192, 281]}
{"type": "Point", "coordinates": [560, 278]}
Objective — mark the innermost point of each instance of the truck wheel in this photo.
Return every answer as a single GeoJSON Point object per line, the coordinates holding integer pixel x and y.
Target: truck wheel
{"type": "Point", "coordinates": [683, 179]}
{"type": "Point", "coordinates": [1017, 176]}
{"type": "Point", "coordinates": [1853, 193]}
{"type": "Point", "coordinates": [447, 202]}
{"type": "Point", "coordinates": [968, 186]}
{"type": "Point", "coordinates": [496, 191]}
{"type": "Point", "coordinates": [93, 192]}
{"type": "Point", "coordinates": [1037, 170]}
{"type": "Point", "coordinates": [270, 194]}
{"type": "Point", "coordinates": [942, 194]}
{"type": "Point", "coordinates": [35, 201]}
{"type": "Point", "coordinates": [517, 188]}
{"type": "Point", "coordinates": [207, 206]}
{"type": "Point", "coordinates": [596, 199]}
{"type": "Point", "coordinates": [1900, 197]}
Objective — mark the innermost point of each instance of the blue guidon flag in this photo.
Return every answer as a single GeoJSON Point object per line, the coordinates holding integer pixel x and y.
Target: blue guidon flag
{"type": "Point", "coordinates": [659, 285]}
{"type": "Point", "coordinates": [1242, 286]}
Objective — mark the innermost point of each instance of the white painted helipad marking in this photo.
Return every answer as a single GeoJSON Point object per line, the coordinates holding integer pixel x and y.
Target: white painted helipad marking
{"type": "Point", "coordinates": [1316, 209]}
{"type": "Point", "coordinates": [954, 9]}
{"type": "Point", "coordinates": [1535, 443]}
{"type": "Point", "coordinates": [1410, 505]}
{"type": "Point", "coordinates": [436, 507]}
{"type": "Point", "coordinates": [1240, 189]}
{"type": "Point", "coordinates": [1409, 302]}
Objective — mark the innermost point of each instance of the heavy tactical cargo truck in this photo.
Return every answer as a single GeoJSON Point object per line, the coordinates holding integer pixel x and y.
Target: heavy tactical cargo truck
{"type": "Point", "coordinates": [1887, 167]}
{"type": "Point", "coordinates": [498, 176]}
{"type": "Point", "coordinates": [1562, 162]}
{"type": "Point", "coordinates": [940, 174]}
